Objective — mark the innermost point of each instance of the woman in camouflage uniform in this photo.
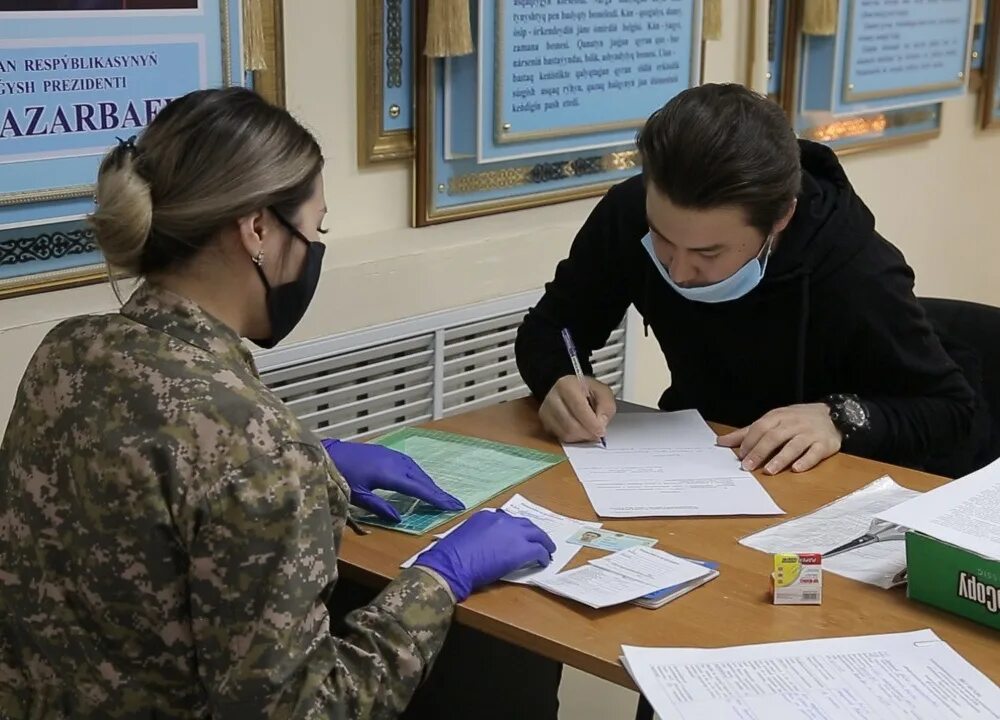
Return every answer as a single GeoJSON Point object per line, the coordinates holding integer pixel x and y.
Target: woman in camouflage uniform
{"type": "Point", "coordinates": [168, 529]}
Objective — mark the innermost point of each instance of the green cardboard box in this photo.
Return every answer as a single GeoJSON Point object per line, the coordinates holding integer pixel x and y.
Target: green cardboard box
{"type": "Point", "coordinates": [953, 579]}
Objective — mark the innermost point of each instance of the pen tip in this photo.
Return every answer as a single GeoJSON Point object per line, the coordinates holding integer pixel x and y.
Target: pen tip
{"type": "Point", "coordinates": [604, 443]}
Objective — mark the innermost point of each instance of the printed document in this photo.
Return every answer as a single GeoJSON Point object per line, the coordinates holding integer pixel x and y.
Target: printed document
{"type": "Point", "coordinates": [623, 576]}
{"type": "Point", "coordinates": [666, 464]}
{"type": "Point", "coordinates": [904, 676]}
{"type": "Point", "coordinates": [838, 523]}
{"type": "Point", "coordinates": [964, 512]}
{"type": "Point", "coordinates": [558, 527]}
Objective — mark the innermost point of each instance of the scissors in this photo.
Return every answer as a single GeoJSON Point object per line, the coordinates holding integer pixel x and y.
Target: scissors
{"type": "Point", "coordinates": [879, 531]}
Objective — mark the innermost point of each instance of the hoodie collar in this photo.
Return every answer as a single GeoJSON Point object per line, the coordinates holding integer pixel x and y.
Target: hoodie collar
{"type": "Point", "coordinates": [830, 224]}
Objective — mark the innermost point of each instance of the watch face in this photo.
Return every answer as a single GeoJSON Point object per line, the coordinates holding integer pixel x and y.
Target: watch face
{"type": "Point", "coordinates": [854, 412]}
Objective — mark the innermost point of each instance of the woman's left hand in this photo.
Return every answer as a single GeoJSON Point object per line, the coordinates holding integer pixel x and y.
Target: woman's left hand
{"type": "Point", "coordinates": [800, 436]}
{"type": "Point", "coordinates": [372, 467]}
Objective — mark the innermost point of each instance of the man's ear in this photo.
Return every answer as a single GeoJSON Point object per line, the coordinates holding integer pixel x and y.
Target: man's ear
{"type": "Point", "coordinates": [787, 218]}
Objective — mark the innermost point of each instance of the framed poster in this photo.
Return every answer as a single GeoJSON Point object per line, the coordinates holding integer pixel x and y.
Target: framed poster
{"type": "Point", "coordinates": [75, 75]}
{"type": "Point", "coordinates": [386, 55]}
{"type": "Point", "coordinates": [886, 55]}
{"type": "Point", "coordinates": [559, 93]}
{"type": "Point", "coordinates": [872, 114]}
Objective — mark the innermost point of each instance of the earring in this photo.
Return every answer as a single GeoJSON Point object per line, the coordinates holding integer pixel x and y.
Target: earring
{"type": "Point", "coordinates": [259, 258]}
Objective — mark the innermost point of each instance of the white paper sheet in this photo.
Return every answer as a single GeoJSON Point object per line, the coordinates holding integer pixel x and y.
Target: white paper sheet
{"type": "Point", "coordinates": [623, 576]}
{"type": "Point", "coordinates": [666, 464]}
{"type": "Point", "coordinates": [651, 565]}
{"type": "Point", "coordinates": [558, 527]}
{"type": "Point", "coordinates": [542, 516]}
{"type": "Point", "coordinates": [911, 676]}
{"type": "Point", "coordinates": [965, 512]}
{"type": "Point", "coordinates": [840, 522]}
{"type": "Point", "coordinates": [596, 587]}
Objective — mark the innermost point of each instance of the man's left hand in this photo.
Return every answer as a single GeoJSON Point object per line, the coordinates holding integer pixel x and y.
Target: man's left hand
{"type": "Point", "coordinates": [800, 436]}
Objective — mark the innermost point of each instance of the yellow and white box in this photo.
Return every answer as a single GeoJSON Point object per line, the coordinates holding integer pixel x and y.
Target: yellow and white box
{"type": "Point", "coordinates": [797, 579]}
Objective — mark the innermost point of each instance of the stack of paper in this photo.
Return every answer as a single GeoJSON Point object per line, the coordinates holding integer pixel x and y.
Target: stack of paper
{"type": "Point", "coordinates": [840, 522]}
{"type": "Point", "coordinates": [965, 512]}
{"type": "Point", "coordinates": [910, 675]}
{"type": "Point", "coordinates": [666, 464]}
{"type": "Point", "coordinates": [623, 576]}
{"type": "Point", "coordinates": [558, 527]}
{"type": "Point", "coordinates": [661, 597]}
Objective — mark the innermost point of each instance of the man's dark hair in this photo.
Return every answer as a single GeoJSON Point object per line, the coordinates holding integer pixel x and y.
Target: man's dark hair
{"type": "Point", "coordinates": [722, 145]}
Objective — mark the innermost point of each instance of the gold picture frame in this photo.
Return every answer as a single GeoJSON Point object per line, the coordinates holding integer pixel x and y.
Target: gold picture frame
{"type": "Point", "coordinates": [424, 183]}
{"type": "Point", "coordinates": [988, 97]}
{"type": "Point", "coordinates": [788, 97]}
{"type": "Point", "coordinates": [376, 144]}
{"type": "Point", "coordinates": [270, 83]}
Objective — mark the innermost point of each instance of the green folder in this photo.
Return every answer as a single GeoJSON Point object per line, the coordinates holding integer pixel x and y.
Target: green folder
{"type": "Point", "coordinates": [471, 469]}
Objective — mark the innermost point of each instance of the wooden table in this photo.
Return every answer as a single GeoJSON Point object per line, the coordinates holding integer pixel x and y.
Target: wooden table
{"type": "Point", "coordinates": [734, 609]}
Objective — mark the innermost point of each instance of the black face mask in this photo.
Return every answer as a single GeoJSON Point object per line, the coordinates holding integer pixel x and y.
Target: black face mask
{"type": "Point", "coordinates": [286, 304]}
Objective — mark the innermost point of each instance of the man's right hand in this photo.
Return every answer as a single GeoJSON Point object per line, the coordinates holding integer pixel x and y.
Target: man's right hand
{"type": "Point", "coordinates": [566, 412]}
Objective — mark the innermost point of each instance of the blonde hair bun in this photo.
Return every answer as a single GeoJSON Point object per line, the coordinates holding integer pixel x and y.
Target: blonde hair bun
{"type": "Point", "coordinates": [123, 219]}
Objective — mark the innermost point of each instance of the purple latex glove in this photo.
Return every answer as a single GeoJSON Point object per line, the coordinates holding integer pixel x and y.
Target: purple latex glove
{"type": "Point", "coordinates": [373, 467]}
{"type": "Point", "coordinates": [484, 548]}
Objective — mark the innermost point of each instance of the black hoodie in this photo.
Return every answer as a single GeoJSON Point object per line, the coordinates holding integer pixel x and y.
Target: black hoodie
{"type": "Point", "coordinates": [834, 313]}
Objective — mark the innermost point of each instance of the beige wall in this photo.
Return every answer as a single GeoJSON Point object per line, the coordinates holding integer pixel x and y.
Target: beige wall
{"type": "Point", "coordinates": [933, 200]}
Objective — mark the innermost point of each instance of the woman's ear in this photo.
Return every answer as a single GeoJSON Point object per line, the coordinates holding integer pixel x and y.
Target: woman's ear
{"type": "Point", "coordinates": [252, 232]}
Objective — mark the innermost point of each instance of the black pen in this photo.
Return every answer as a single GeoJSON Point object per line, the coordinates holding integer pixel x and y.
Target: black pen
{"type": "Point", "coordinates": [575, 360]}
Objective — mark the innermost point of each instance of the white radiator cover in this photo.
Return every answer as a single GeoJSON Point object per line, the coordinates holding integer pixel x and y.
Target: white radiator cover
{"type": "Point", "coordinates": [367, 382]}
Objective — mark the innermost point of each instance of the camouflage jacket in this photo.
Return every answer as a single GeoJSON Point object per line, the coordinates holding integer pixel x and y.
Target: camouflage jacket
{"type": "Point", "coordinates": [169, 533]}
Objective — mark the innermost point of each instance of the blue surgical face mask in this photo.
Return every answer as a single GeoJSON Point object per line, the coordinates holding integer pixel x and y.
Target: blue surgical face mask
{"type": "Point", "coordinates": [733, 287]}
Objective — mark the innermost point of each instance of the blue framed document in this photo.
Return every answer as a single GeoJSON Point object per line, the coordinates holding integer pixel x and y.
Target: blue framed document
{"type": "Point", "coordinates": [547, 107]}
{"type": "Point", "coordinates": [888, 54]}
{"type": "Point", "coordinates": [807, 86]}
{"type": "Point", "coordinates": [75, 75]}
{"type": "Point", "coordinates": [547, 72]}
{"type": "Point", "coordinates": [386, 56]}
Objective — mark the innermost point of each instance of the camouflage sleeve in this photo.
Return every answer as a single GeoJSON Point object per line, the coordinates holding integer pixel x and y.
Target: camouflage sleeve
{"type": "Point", "coordinates": [13, 687]}
{"type": "Point", "coordinates": [263, 558]}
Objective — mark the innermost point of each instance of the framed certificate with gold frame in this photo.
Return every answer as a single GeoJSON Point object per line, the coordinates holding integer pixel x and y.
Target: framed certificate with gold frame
{"type": "Point", "coordinates": [559, 93]}
{"type": "Point", "coordinates": [805, 84]}
{"type": "Point", "coordinates": [76, 76]}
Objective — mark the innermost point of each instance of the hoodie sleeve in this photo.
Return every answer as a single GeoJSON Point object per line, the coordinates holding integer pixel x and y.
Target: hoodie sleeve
{"type": "Point", "coordinates": [587, 296]}
{"type": "Point", "coordinates": [920, 405]}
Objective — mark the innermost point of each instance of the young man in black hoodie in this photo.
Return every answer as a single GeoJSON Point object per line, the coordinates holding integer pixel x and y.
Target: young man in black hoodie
{"type": "Point", "coordinates": [780, 310]}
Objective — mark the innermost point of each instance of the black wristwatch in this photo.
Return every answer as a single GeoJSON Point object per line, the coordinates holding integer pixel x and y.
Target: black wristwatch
{"type": "Point", "coordinates": [848, 413]}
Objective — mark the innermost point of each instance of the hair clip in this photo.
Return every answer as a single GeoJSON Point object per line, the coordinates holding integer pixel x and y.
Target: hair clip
{"type": "Point", "coordinates": [128, 145]}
